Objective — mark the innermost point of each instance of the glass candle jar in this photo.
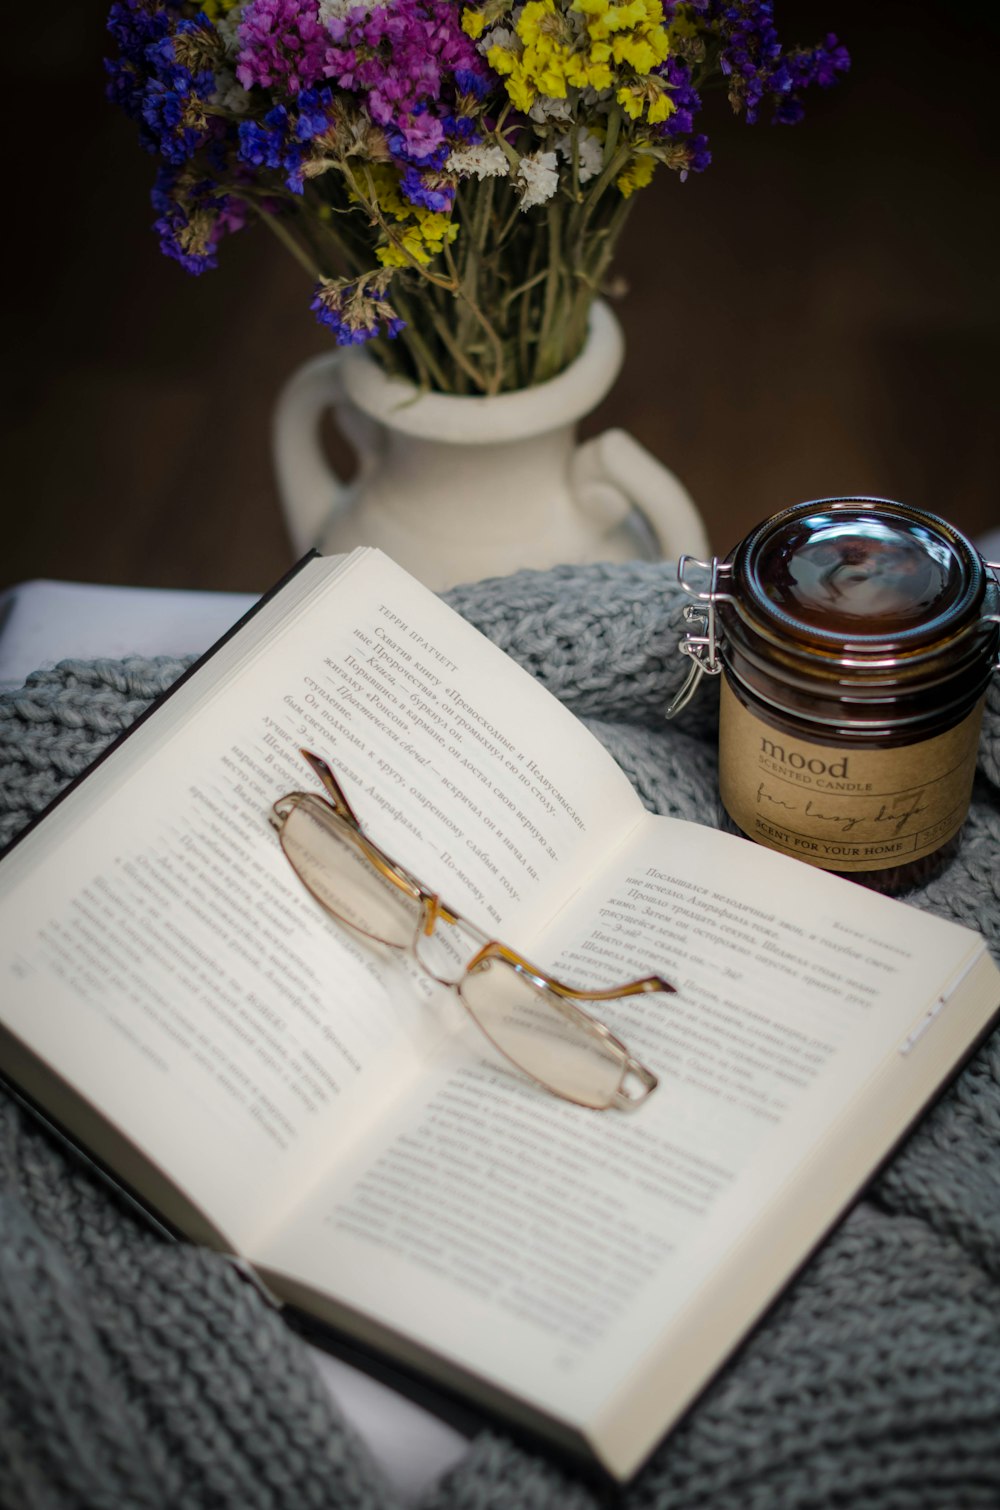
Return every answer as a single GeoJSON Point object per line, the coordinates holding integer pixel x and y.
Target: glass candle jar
{"type": "Point", "coordinates": [855, 638]}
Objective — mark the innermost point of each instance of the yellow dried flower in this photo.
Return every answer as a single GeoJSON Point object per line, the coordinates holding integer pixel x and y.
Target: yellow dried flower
{"type": "Point", "coordinates": [636, 176]}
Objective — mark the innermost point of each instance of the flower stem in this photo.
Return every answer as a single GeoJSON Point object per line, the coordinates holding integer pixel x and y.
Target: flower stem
{"type": "Point", "coordinates": [454, 349]}
{"type": "Point", "coordinates": [547, 353]}
{"type": "Point", "coordinates": [284, 235]}
{"type": "Point", "coordinates": [429, 370]}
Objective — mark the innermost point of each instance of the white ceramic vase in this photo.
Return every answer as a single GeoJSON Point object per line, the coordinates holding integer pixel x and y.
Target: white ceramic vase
{"type": "Point", "coordinates": [459, 488]}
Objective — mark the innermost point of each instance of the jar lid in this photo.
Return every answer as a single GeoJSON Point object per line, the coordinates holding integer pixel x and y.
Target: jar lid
{"type": "Point", "coordinates": [858, 574]}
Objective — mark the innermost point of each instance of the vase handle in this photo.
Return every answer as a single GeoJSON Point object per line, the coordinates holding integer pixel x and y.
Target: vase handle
{"type": "Point", "coordinates": [614, 475]}
{"type": "Point", "coordinates": [311, 492]}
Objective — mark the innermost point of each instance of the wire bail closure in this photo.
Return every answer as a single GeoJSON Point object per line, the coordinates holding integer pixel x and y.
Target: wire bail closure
{"type": "Point", "coordinates": [994, 618]}
{"type": "Point", "coordinates": [701, 641]}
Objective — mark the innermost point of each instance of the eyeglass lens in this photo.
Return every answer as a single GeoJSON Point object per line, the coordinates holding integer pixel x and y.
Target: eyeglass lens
{"type": "Point", "coordinates": [337, 872]}
{"type": "Point", "coordinates": [543, 1033]}
{"type": "Point", "coordinates": [538, 1030]}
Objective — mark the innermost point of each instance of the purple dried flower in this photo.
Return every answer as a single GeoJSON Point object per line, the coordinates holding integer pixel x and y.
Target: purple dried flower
{"type": "Point", "coordinates": [282, 45]}
{"type": "Point", "coordinates": [699, 156]}
{"type": "Point", "coordinates": [413, 64]}
{"type": "Point", "coordinates": [751, 57]}
{"type": "Point", "coordinates": [686, 100]}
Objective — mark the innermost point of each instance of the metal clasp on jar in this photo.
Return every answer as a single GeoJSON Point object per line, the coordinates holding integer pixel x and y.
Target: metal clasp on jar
{"type": "Point", "coordinates": [991, 618]}
{"type": "Point", "coordinates": [701, 641]}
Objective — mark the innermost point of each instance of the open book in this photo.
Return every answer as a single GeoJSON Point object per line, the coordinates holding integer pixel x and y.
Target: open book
{"type": "Point", "coordinates": [177, 1001]}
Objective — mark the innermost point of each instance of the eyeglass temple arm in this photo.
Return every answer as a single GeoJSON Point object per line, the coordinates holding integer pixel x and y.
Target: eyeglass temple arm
{"type": "Point", "coordinates": [608, 993]}
{"type": "Point", "coordinates": [612, 993]}
{"type": "Point", "coordinates": [435, 908]}
{"type": "Point", "coordinates": [331, 785]}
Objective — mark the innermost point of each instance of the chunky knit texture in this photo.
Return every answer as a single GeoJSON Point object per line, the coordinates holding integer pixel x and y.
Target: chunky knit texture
{"type": "Point", "coordinates": [134, 1372]}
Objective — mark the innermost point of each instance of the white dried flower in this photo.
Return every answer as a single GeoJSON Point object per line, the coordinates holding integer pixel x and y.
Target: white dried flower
{"type": "Point", "coordinates": [546, 108]}
{"type": "Point", "coordinates": [539, 173]}
{"type": "Point", "coordinates": [499, 36]}
{"type": "Point", "coordinates": [229, 93]}
{"type": "Point", "coordinates": [590, 153]}
{"type": "Point", "coordinates": [331, 10]}
{"type": "Point", "coordinates": [228, 27]}
{"type": "Point", "coordinates": [478, 162]}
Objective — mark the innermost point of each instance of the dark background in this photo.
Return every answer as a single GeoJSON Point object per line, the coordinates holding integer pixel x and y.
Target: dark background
{"type": "Point", "coordinates": [818, 313]}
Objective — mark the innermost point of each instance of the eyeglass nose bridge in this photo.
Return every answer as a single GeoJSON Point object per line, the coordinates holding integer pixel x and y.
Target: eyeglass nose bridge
{"type": "Point", "coordinates": [634, 1081]}
{"type": "Point", "coordinates": [459, 941]}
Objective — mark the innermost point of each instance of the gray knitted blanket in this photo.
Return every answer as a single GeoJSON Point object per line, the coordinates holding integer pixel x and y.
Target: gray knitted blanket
{"type": "Point", "coordinates": [135, 1372]}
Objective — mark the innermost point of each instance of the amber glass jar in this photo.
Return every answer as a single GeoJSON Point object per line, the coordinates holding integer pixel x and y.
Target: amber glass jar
{"type": "Point", "coordinates": [856, 638]}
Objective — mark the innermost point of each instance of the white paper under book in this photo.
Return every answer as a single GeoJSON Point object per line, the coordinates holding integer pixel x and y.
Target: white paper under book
{"type": "Point", "coordinates": [276, 1089]}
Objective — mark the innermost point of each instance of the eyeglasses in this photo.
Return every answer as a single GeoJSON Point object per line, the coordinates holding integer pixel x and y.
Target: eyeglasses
{"type": "Point", "coordinates": [533, 1019]}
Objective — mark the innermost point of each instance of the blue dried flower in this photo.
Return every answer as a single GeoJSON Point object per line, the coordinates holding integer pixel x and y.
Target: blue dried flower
{"type": "Point", "coordinates": [427, 190]}
{"type": "Point", "coordinates": [313, 108]}
{"type": "Point", "coordinates": [193, 217]}
{"type": "Point", "coordinates": [357, 310]}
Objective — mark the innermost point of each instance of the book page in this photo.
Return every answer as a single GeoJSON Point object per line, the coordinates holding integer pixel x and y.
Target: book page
{"type": "Point", "coordinates": [568, 1242]}
{"type": "Point", "coordinates": [157, 950]}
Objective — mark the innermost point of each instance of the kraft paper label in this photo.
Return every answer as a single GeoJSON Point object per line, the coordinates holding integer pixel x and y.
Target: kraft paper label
{"type": "Point", "coordinates": [844, 808]}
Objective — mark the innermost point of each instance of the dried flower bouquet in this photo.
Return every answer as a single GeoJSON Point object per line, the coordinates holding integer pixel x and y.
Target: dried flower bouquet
{"type": "Point", "coordinates": [453, 177]}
